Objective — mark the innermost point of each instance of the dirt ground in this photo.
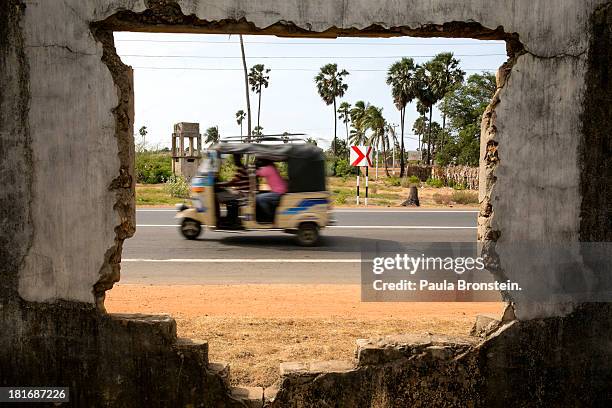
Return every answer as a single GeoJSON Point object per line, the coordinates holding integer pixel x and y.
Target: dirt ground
{"type": "Point", "coordinates": [256, 327]}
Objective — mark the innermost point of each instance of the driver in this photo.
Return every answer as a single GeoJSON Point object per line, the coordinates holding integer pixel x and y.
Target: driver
{"type": "Point", "coordinates": [240, 182]}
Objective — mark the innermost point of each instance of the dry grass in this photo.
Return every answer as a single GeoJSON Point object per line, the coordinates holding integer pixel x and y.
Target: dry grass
{"type": "Point", "coordinates": [256, 346]}
{"type": "Point", "coordinates": [154, 194]}
{"type": "Point", "coordinates": [256, 327]}
{"type": "Point", "coordinates": [381, 193]}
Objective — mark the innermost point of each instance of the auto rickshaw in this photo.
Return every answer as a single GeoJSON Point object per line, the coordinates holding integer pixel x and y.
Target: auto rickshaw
{"type": "Point", "coordinates": [303, 211]}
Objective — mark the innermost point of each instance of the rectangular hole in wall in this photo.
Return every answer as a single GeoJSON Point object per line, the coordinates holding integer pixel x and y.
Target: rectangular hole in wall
{"type": "Point", "coordinates": [256, 296]}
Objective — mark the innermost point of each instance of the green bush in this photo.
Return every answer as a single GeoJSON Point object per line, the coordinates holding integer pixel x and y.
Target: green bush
{"type": "Point", "coordinates": [177, 186]}
{"type": "Point", "coordinates": [227, 170]}
{"type": "Point", "coordinates": [458, 186]}
{"type": "Point", "coordinates": [343, 168]}
{"type": "Point", "coordinates": [152, 167]}
{"type": "Point", "coordinates": [437, 183]}
{"type": "Point", "coordinates": [465, 197]}
{"type": "Point", "coordinates": [411, 181]}
{"type": "Point", "coordinates": [393, 181]}
{"type": "Point", "coordinates": [283, 169]}
{"type": "Point", "coordinates": [341, 198]}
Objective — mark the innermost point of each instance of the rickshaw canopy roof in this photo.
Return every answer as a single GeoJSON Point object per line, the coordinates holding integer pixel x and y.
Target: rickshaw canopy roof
{"type": "Point", "coordinates": [305, 161]}
{"type": "Point", "coordinates": [274, 152]}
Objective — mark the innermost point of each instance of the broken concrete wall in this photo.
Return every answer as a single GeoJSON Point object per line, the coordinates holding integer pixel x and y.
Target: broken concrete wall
{"type": "Point", "coordinates": [540, 106]}
{"type": "Point", "coordinates": [537, 363]}
{"type": "Point", "coordinates": [67, 164]}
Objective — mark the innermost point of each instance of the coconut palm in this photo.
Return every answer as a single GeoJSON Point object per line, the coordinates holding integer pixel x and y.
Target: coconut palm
{"type": "Point", "coordinates": [401, 78]}
{"type": "Point", "coordinates": [375, 121]}
{"type": "Point", "coordinates": [212, 135]}
{"type": "Point", "coordinates": [240, 116]}
{"type": "Point", "coordinates": [344, 111]}
{"type": "Point", "coordinates": [358, 113]}
{"type": "Point", "coordinates": [258, 131]}
{"type": "Point", "coordinates": [330, 85]}
{"type": "Point", "coordinates": [259, 79]}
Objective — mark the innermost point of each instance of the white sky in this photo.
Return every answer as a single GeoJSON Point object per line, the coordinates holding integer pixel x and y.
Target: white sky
{"type": "Point", "coordinates": [211, 90]}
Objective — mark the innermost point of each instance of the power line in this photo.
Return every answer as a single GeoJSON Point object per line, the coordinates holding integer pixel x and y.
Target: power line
{"type": "Point", "coordinates": [322, 42]}
{"type": "Point", "coordinates": [306, 57]}
{"type": "Point", "coordinates": [288, 69]}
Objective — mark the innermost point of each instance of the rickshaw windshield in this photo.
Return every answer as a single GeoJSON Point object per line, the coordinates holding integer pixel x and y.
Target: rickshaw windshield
{"type": "Point", "coordinates": [211, 163]}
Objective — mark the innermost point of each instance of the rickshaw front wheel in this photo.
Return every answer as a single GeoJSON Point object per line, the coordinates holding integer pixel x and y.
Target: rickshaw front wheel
{"type": "Point", "coordinates": [190, 228]}
{"type": "Point", "coordinates": [308, 234]}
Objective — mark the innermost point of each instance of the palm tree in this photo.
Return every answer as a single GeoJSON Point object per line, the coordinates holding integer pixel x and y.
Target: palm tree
{"type": "Point", "coordinates": [258, 79]}
{"type": "Point", "coordinates": [392, 140]}
{"type": "Point", "coordinates": [358, 113]}
{"type": "Point", "coordinates": [375, 121]}
{"type": "Point", "coordinates": [246, 87]}
{"type": "Point", "coordinates": [258, 131]}
{"type": "Point", "coordinates": [425, 89]}
{"type": "Point", "coordinates": [357, 137]}
{"type": "Point", "coordinates": [344, 111]}
{"type": "Point", "coordinates": [240, 115]}
{"type": "Point", "coordinates": [330, 85]}
{"type": "Point", "coordinates": [448, 77]}
{"type": "Point", "coordinates": [419, 127]}
{"type": "Point", "coordinates": [142, 146]}
{"type": "Point", "coordinates": [212, 135]}
{"type": "Point", "coordinates": [401, 79]}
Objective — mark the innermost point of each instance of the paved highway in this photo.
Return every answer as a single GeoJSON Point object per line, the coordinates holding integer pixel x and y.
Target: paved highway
{"type": "Point", "coordinates": [158, 254]}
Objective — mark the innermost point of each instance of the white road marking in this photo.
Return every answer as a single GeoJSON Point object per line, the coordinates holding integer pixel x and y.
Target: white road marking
{"type": "Point", "coordinates": [341, 226]}
{"type": "Point", "coordinates": [345, 211]}
{"type": "Point", "coordinates": [252, 260]}
{"type": "Point", "coordinates": [405, 211]}
{"type": "Point", "coordinates": [397, 227]}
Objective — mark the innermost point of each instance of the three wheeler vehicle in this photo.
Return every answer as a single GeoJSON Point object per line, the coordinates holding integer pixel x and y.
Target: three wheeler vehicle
{"type": "Point", "coordinates": [303, 210]}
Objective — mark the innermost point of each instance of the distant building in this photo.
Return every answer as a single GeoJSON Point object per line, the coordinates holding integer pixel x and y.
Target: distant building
{"type": "Point", "coordinates": [186, 149]}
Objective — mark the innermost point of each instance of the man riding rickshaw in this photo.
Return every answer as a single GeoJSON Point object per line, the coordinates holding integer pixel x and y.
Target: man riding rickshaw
{"type": "Point", "coordinates": [298, 204]}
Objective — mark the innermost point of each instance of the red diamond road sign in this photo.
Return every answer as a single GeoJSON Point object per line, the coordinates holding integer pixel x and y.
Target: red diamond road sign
{"type": "Point", "coordinates": [361, 156]}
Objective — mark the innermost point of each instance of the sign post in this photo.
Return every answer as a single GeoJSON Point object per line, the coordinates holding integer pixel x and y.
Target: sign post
{"type": "Point", "coordinates": [361, 156]}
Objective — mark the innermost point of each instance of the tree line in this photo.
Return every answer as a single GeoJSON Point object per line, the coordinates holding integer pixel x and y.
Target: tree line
{"type": "Point", "coordinates": [438, 83]}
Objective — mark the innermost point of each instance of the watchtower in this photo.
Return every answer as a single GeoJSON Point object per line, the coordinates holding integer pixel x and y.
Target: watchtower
{"type": "Point", "coordinates": [186, 149]}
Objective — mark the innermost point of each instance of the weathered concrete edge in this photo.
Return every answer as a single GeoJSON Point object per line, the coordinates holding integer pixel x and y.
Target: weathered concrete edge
{"type": "Point", "coordinates": [124, 184]}
{"type": "Point", "coordinates": [17, 179]}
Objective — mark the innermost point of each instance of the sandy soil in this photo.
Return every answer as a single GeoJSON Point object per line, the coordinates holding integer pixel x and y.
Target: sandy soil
{"type": "Point", "coordinates": [256, 327]}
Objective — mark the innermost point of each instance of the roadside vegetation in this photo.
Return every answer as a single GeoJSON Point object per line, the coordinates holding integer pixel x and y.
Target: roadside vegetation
{"type": "Point", "coordinates": [385, 192]}
{"type": "Point", "coordinates": [436, 84]}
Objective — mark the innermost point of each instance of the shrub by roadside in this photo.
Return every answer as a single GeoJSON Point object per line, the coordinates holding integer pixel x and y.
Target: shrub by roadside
{"type": "Point", "coordinates": [177, 187]}
{"type": "Point", "coordinates": [437, 183]}
{"type": "Point", "coordinates": [443, 199]}
{"type": "Point", "coordinates": [152, 167]}
{"type": "Point", "coordinates": [465, 197]}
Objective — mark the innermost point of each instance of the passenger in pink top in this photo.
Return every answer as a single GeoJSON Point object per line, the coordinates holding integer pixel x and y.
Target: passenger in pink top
{"type": "Point", "coordinates": [273, 178]}
{"type": "Point", "coordinates": [268, 201]}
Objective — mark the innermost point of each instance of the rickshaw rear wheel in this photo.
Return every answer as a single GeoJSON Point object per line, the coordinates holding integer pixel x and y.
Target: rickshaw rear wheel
{"type": "Point", "coordinates": [190, 228]}
{"type": "Point", "coordinates": [308, 234]}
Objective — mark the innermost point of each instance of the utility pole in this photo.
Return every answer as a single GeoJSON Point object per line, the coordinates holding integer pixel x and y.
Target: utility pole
{"type": "Point", "coordinates": [393, 139]}
{"type": "Point", "coordinates": [246, 88]}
